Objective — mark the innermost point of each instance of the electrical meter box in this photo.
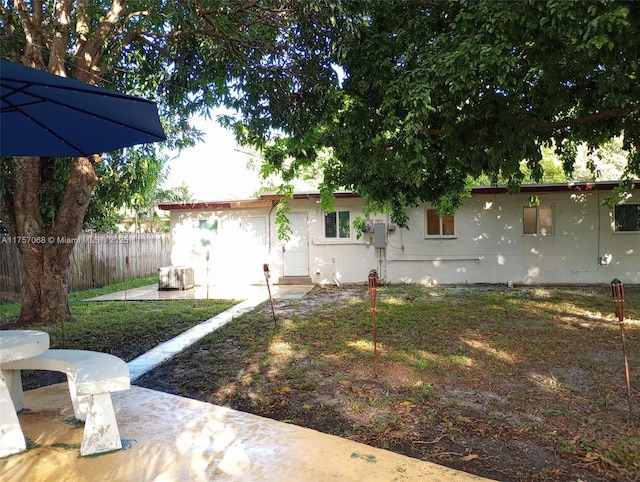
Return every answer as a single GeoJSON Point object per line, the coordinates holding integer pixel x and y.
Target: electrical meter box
{"type": "Point", "coordinates": [379, 235]}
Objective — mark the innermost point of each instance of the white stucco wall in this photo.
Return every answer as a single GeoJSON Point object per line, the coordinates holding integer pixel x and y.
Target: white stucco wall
{"type": "Point", "coordinates": [237, 248]}
{"type": "Point", "coordinates": [488, 246]}
{"type": "Point", "coordinates": [339, 260]}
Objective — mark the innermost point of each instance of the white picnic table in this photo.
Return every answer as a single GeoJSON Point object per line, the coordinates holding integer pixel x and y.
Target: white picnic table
{"type": "Point", "coordinates": [15, 345]}
{"type": "Point", "coordinates": [91, 377]}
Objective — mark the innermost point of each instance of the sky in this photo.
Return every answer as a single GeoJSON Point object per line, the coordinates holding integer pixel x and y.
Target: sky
{"type": "Point", "coordinates": [215, 169]}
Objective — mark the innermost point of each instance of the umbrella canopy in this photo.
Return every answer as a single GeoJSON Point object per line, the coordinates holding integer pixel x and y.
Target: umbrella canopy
{"type": "Point", "coordinates": [42, 114]}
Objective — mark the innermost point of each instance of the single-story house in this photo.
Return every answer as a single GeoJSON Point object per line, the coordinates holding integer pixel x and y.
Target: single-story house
{"type": "Point", "coordinates": [569, 235]}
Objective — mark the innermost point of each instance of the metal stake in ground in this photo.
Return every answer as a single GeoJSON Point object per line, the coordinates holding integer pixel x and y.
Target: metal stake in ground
{"type": "Point", "coordinates": [617, 293]}
{"type": "Point", "coordinates": [373, 285]}
{"type": "Point", "coordinates": [265, 267]}
{"type": "Point", "coordinates": [126, 284]}
{"type": "Point", "coordinates": [207, 260]}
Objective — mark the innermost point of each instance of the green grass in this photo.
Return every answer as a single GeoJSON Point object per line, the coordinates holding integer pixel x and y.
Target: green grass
{"type": "Point", "coordinates": [537, 367]}
{"type": "Point", "coordinates": [123, 328]}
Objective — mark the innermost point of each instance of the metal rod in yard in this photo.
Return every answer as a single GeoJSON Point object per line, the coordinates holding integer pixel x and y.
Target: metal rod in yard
{"type": "Point", "coordinates": [207, 259]}
{"type": "Point", "coordinates": [373, 285]}
{"type": "Point", "coordinates": [265, 267]}
{"type": "Point", "coordinates": [126, 283]}
{"type": "Point", "coordinates": [617, 293]}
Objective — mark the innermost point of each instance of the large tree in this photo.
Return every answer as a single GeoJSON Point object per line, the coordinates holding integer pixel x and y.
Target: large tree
{"type": "Point", "coordinates": [188, 55]}
{"type": "Point", "coordinates": [437, 92]}
{"type": "Point", "coordinates": [398, 100]}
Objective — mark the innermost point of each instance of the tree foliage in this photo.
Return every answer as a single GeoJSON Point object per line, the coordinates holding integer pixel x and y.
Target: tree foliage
{"type": "Point", "coordinates": [189, 56]}
{"type": "Point", "coordinates": [400, 101]}
{"type": "Point", "coordinates": [435, 92]}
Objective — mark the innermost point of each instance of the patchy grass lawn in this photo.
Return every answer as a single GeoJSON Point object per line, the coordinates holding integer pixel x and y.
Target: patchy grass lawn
{"type": "Point", "coordinates": [524, 384]}
{"type": "Point", "coordinates": [126, 329]}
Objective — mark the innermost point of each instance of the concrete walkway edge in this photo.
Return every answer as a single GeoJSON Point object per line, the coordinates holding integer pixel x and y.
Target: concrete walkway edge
{"type": "Point", "coordinates": [161, 353]}
{"type": "Point", "coordinates": [168, 438]}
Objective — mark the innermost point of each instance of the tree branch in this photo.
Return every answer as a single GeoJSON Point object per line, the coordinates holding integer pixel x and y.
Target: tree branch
{"type": "Point", "coordinates": [588, 119]}
{"type": "Point", "coordinates": [563, 124]}
{"type": "Point", "coordinates": [242, 7]}
{"type": "Point", "coordinates": [82, 21]}
{"type": "Point", "coordinates": [90, 52]}
{"type": "Point", "coordinates": [60, 40]}
{"type": "Point", "coordinates": [32, 25]}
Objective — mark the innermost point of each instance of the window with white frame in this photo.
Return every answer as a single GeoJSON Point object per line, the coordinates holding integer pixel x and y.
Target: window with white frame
{"type": "Point", "coordinates": [439, 226]}
{"type": "Point", "coordinates": [627, 218]}
{"type": "Point", "coordinates": [537, 220]}
{"type": "Point", "coordinates": [337, 225]}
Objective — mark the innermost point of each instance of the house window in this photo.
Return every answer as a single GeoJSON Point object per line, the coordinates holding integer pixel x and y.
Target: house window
{"type": "Point", "coordinates": [439, 225]}
{"type": "Point", "coordinates": [538, 220]}
{"type": "Point", "coordinates": [207, 231]}
{"type": "Point", "coordinates": [337, 224]}
{"type": "Point", "coordinates": [627, 218]}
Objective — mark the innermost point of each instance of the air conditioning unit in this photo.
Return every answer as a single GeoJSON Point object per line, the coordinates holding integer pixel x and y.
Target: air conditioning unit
{"type": "Point", "coordinates": [175, 278]}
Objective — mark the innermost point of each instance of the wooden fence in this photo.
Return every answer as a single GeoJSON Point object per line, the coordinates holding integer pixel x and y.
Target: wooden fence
{"type": "Point", "coordinates": [98, 259]}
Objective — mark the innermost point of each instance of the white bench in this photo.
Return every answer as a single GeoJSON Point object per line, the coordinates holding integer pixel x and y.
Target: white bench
{"type": "Point", "coordinates": [92, 376]}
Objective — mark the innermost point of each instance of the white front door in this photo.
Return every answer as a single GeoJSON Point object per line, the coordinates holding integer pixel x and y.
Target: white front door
{"type": "Point", "coordinates": [296, 250]}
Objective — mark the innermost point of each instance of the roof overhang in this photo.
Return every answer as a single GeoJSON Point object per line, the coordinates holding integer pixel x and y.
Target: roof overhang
{"type": "Point", "coordinates": [271, 199]}
{"type": "Point", "coordinates": [541, 188]}
{"type": "Point", "coordinates": [217, 205]}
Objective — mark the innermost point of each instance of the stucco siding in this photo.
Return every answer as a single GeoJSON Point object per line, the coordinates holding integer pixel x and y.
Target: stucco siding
{"type": "Point", "coordinates": [487, 245]}
{"type": "Point", "coordinates": [222, 247]}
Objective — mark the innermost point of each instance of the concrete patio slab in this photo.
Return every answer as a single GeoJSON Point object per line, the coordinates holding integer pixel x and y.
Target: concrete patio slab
{"type": "Point", "coordinates": [212, 292]}
{"type": "Point", "coordinates": [168, 438]}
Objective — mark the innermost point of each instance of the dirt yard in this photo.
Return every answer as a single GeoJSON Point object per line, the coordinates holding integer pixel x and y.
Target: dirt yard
{"type": "Point", "coordinates": [524, 384]}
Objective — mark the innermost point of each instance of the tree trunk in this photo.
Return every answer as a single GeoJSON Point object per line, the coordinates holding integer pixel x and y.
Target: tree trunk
{"type": "Point", "coordinates": [45, 286]}
{"type": "Point", "coordinates": [46, 249]}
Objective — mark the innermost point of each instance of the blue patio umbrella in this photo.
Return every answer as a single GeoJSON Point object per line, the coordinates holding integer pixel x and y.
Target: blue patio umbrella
{"type": "Point", "coordinates": [42, 114]}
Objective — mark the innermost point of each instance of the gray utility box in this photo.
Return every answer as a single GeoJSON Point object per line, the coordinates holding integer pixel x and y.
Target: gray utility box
{"type": "Point", "coordinates": [175, 278]}
{"type": "Point", "coordinates": [380, 235]}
